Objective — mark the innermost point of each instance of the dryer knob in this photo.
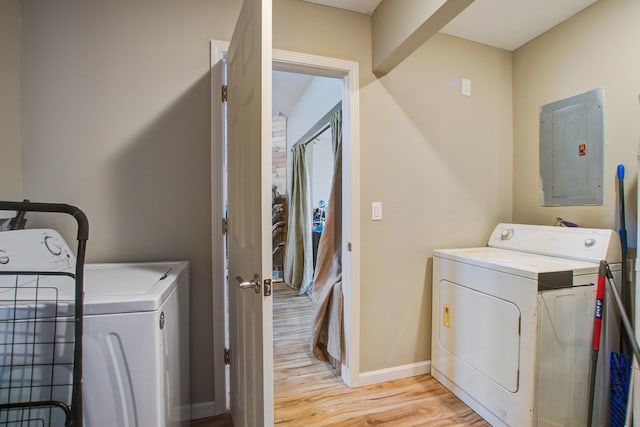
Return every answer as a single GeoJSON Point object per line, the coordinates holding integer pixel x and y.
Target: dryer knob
{"type": "Point", "coordinates": [52, 245]}
{"type": "Point", "coordinates": [4, 257]}
{"type": "Point", "coordinates": [506, 234]}
{"type": "Point", "coordinates": [589, 242]}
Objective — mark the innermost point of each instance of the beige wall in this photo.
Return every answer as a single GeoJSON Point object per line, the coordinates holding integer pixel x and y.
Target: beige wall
{"type": "Point", "coordinates": [117, 121]}
{"type": "Point", "coordinates": [599, 47]}
{"type": "Point", "coordinates": [10, 167]}
{"type": "Point", "coordinates": [441, 164]}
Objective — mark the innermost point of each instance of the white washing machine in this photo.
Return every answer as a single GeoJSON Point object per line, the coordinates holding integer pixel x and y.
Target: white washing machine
{"type": "Point", "coordinates": [136, 332]}
{"type": "Point", "coordinates": [513, 324]}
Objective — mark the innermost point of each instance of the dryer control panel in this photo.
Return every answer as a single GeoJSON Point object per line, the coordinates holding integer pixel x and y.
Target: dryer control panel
{"type": "Point", "coordinates": [34, 250]}
{"type": "Point", "coordinates": [584, 244]}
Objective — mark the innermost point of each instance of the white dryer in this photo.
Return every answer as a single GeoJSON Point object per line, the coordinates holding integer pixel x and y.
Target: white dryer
{"type": "Point", "coordinates": [136, 332]}
{"type": "Point", "coordinates": [513, 321]}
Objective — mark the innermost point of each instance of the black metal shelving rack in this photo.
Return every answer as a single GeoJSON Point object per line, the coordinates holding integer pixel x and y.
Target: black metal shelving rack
{"type": "Point", "coordinates": [27, 397]}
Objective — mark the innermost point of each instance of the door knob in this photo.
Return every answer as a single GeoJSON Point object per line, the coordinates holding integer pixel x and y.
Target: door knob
{"type": "Point", "coordinates": [255, 283]}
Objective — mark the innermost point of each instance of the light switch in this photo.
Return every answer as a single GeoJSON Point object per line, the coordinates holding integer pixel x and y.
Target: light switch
{"type": "Point", "coordinates": [466, 87]}
{"type": "Point", "coordinates": [376, 211]}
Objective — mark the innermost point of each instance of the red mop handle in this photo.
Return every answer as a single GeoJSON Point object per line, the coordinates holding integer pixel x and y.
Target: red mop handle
{"type": "Point", "coordinates": [597, 321]}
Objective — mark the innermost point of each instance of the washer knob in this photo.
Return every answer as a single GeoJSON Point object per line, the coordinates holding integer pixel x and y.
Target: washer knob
{"type": "Point", "coordinates": [4, 257]}
{"type": "Point", "coordinates": [589, 242]}
{"type": "Point", "coordinates": [52, 245]}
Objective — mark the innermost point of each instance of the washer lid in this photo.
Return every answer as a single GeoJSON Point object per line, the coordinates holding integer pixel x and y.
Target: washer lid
{"type": "Point", "coordinates": [519, 263]}
{"type": "Point", "coordinates": [128, 288]}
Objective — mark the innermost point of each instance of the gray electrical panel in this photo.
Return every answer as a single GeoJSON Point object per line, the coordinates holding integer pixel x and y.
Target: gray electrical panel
{"type": "Point", "coordinates": [572, 150]}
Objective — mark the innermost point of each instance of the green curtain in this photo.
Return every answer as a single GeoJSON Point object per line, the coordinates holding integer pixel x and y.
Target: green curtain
{"type": "Point", "coordinates": [298, 261]}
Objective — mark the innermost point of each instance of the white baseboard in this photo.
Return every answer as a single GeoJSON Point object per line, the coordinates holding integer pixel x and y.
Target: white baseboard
{"type": "Point", "coordinates": [394, 373]}
{"type": "Point", "coordinates": [346, 375]}
{"type": "Point", "coordinates": [203, 410]}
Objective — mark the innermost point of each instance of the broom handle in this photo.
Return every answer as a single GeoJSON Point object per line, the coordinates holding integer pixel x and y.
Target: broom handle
{"type": "Point", "coordinates": [629, 416]}
{"type": "Point", "coordinates": [595, 345]}
{"type": "Point", "coordinates": [623, 315]}
{"type": "Point", "coordinates": [624, 286]}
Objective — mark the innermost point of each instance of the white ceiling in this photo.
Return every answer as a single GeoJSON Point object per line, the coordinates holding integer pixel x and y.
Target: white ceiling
{"type": "Point", "coordinates": [506, 24]}
{"type": "Point", "coordinates": [287, 90]}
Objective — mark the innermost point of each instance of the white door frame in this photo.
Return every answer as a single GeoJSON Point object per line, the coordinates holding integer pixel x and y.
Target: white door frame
{"type": "Point", "coordinates": [322, 66]}
{"type": "Point", "coordinates": [218, 240]}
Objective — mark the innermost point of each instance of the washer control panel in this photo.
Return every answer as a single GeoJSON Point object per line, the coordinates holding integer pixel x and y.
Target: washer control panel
{"type": "Point", "coordinates": [34, 250]}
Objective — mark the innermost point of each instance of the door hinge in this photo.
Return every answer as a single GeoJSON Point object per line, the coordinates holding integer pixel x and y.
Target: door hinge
{"type": "Point", "coordinates": [224, 93]}
{"type": "Point", "coordinates": [349, 246]}
{"type": "Point", "coordinates": [267, 287]}
{"type": "Point", "coordinates": [227, 357]}
{"type": "Point", "coordinates": [225, 226]}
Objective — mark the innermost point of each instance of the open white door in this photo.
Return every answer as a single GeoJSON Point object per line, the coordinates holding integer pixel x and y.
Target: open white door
{"type": "Point", "coordinates": [249, 216]}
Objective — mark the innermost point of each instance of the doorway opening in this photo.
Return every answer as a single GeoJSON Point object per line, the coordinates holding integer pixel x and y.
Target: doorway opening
{"type": "Point", "coordinates": [346, 73]}
{"type": "Point", "coordinates": [302, 171]}
{"type": "Point", "coordinates": [307, 220]}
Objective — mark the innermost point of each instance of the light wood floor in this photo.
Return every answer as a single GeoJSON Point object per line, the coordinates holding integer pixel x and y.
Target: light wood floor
{"type": "Point", "coordinates": [308, 393]}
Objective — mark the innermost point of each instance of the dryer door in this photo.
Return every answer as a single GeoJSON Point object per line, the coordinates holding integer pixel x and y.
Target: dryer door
{"type": "Point", "coordinates": [481, 330]}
